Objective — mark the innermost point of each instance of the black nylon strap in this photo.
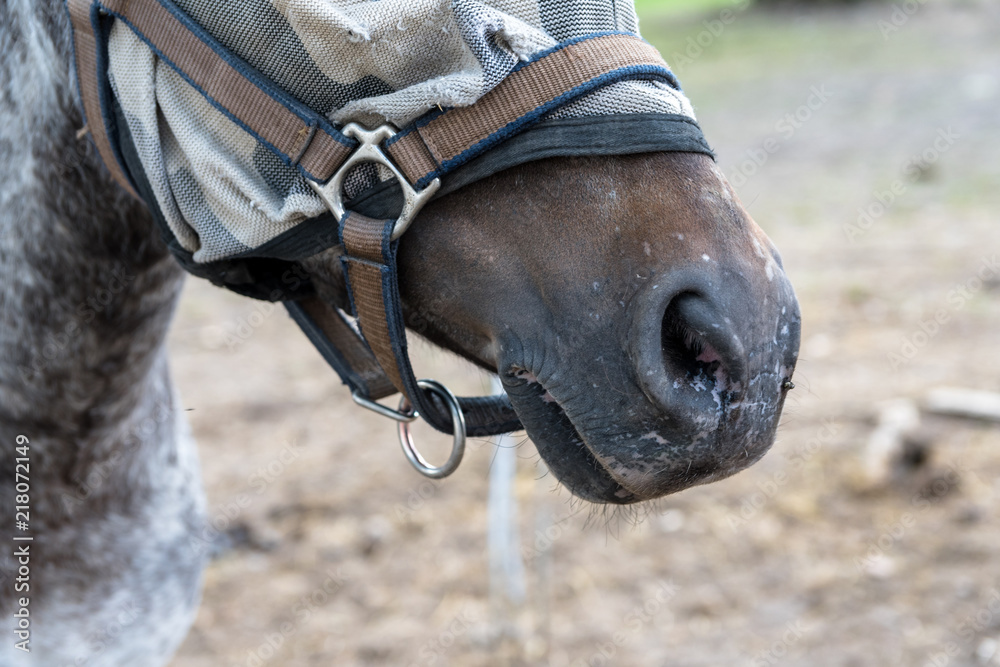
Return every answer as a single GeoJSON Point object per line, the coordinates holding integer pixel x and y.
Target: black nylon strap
{"type": "Point", "coordinates": [356, 366]}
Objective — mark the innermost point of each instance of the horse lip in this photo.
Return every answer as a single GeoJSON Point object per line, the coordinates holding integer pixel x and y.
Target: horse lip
{"type": "Point", "coordinates": [597, 477]}
{"type": "Point", "coordinates": [560, 443]}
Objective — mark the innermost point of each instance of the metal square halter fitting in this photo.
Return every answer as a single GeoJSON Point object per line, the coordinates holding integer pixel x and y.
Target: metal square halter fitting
{"type": "Point", "coordinates": [332, 192]}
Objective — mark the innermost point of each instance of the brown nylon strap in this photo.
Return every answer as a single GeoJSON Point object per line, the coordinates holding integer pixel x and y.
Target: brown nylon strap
{"type": "Point", "coordinates": [412, 157]}
{"type": "Point", "coordinates": [324, 155]}
{"type": "Point", "coordinates": [523, 91]}
{"type": "Point", "coordinates": [365, 266]}
{"type": "Point", "coordinates": [363, 238]}
{"type": "Point", "coordinates": [300, 141]}
{"type": "Point", "coordinates": [85, 47]}
{"type": "Point", "coordinates": [351, 346]}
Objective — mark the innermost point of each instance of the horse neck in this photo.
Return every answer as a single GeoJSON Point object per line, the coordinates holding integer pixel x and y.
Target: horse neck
{"type": "Point", "coordinates": [86, 286]}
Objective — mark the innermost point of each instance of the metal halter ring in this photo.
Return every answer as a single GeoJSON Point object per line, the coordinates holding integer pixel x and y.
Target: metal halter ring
{"type": "Point", "coordinates": [333, 192]}
{"type": "Point", "coordinates": [458, 426]}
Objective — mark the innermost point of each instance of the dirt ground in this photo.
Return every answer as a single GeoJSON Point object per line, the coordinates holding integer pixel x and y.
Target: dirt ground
{"type": "Point", "coordinates": [339, 554]}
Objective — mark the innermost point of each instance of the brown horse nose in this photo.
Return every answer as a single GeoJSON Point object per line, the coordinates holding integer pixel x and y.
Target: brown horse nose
{"type": "Point", "coordinates": [688, 349]}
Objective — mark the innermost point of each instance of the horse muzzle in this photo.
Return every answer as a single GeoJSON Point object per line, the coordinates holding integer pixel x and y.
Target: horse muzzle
{"type": "Point", "coordinates": [689, 391]}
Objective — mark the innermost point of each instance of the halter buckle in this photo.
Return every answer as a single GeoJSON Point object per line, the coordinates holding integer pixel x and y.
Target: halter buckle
{"type": "Point", "coordinates": [369, 150]}
{"type": "Point", "coordinates": [385, 411]}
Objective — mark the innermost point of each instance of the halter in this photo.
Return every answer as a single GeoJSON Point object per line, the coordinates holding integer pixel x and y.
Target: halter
{"type": "Point", "coordinates": [372, 358]}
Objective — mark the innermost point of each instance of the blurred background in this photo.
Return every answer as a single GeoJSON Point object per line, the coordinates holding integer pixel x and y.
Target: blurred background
{"type": "Point", "coordinates": [864, 138]}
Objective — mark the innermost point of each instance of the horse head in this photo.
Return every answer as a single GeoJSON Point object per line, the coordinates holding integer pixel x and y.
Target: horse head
{"type": "Point", "coordinates": [639, 319]}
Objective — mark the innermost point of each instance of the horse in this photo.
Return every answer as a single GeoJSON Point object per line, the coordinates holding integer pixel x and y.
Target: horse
{"type": "Point", "coordinates": [639, 320]}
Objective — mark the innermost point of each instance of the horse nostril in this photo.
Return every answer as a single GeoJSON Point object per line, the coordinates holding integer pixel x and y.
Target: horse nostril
{"type": "Point", "coordinates": [686, 344]}
{"type": "Point", "coordinates": [685, 351]}
{"type": "Point", "coordinates": [698, 343]}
